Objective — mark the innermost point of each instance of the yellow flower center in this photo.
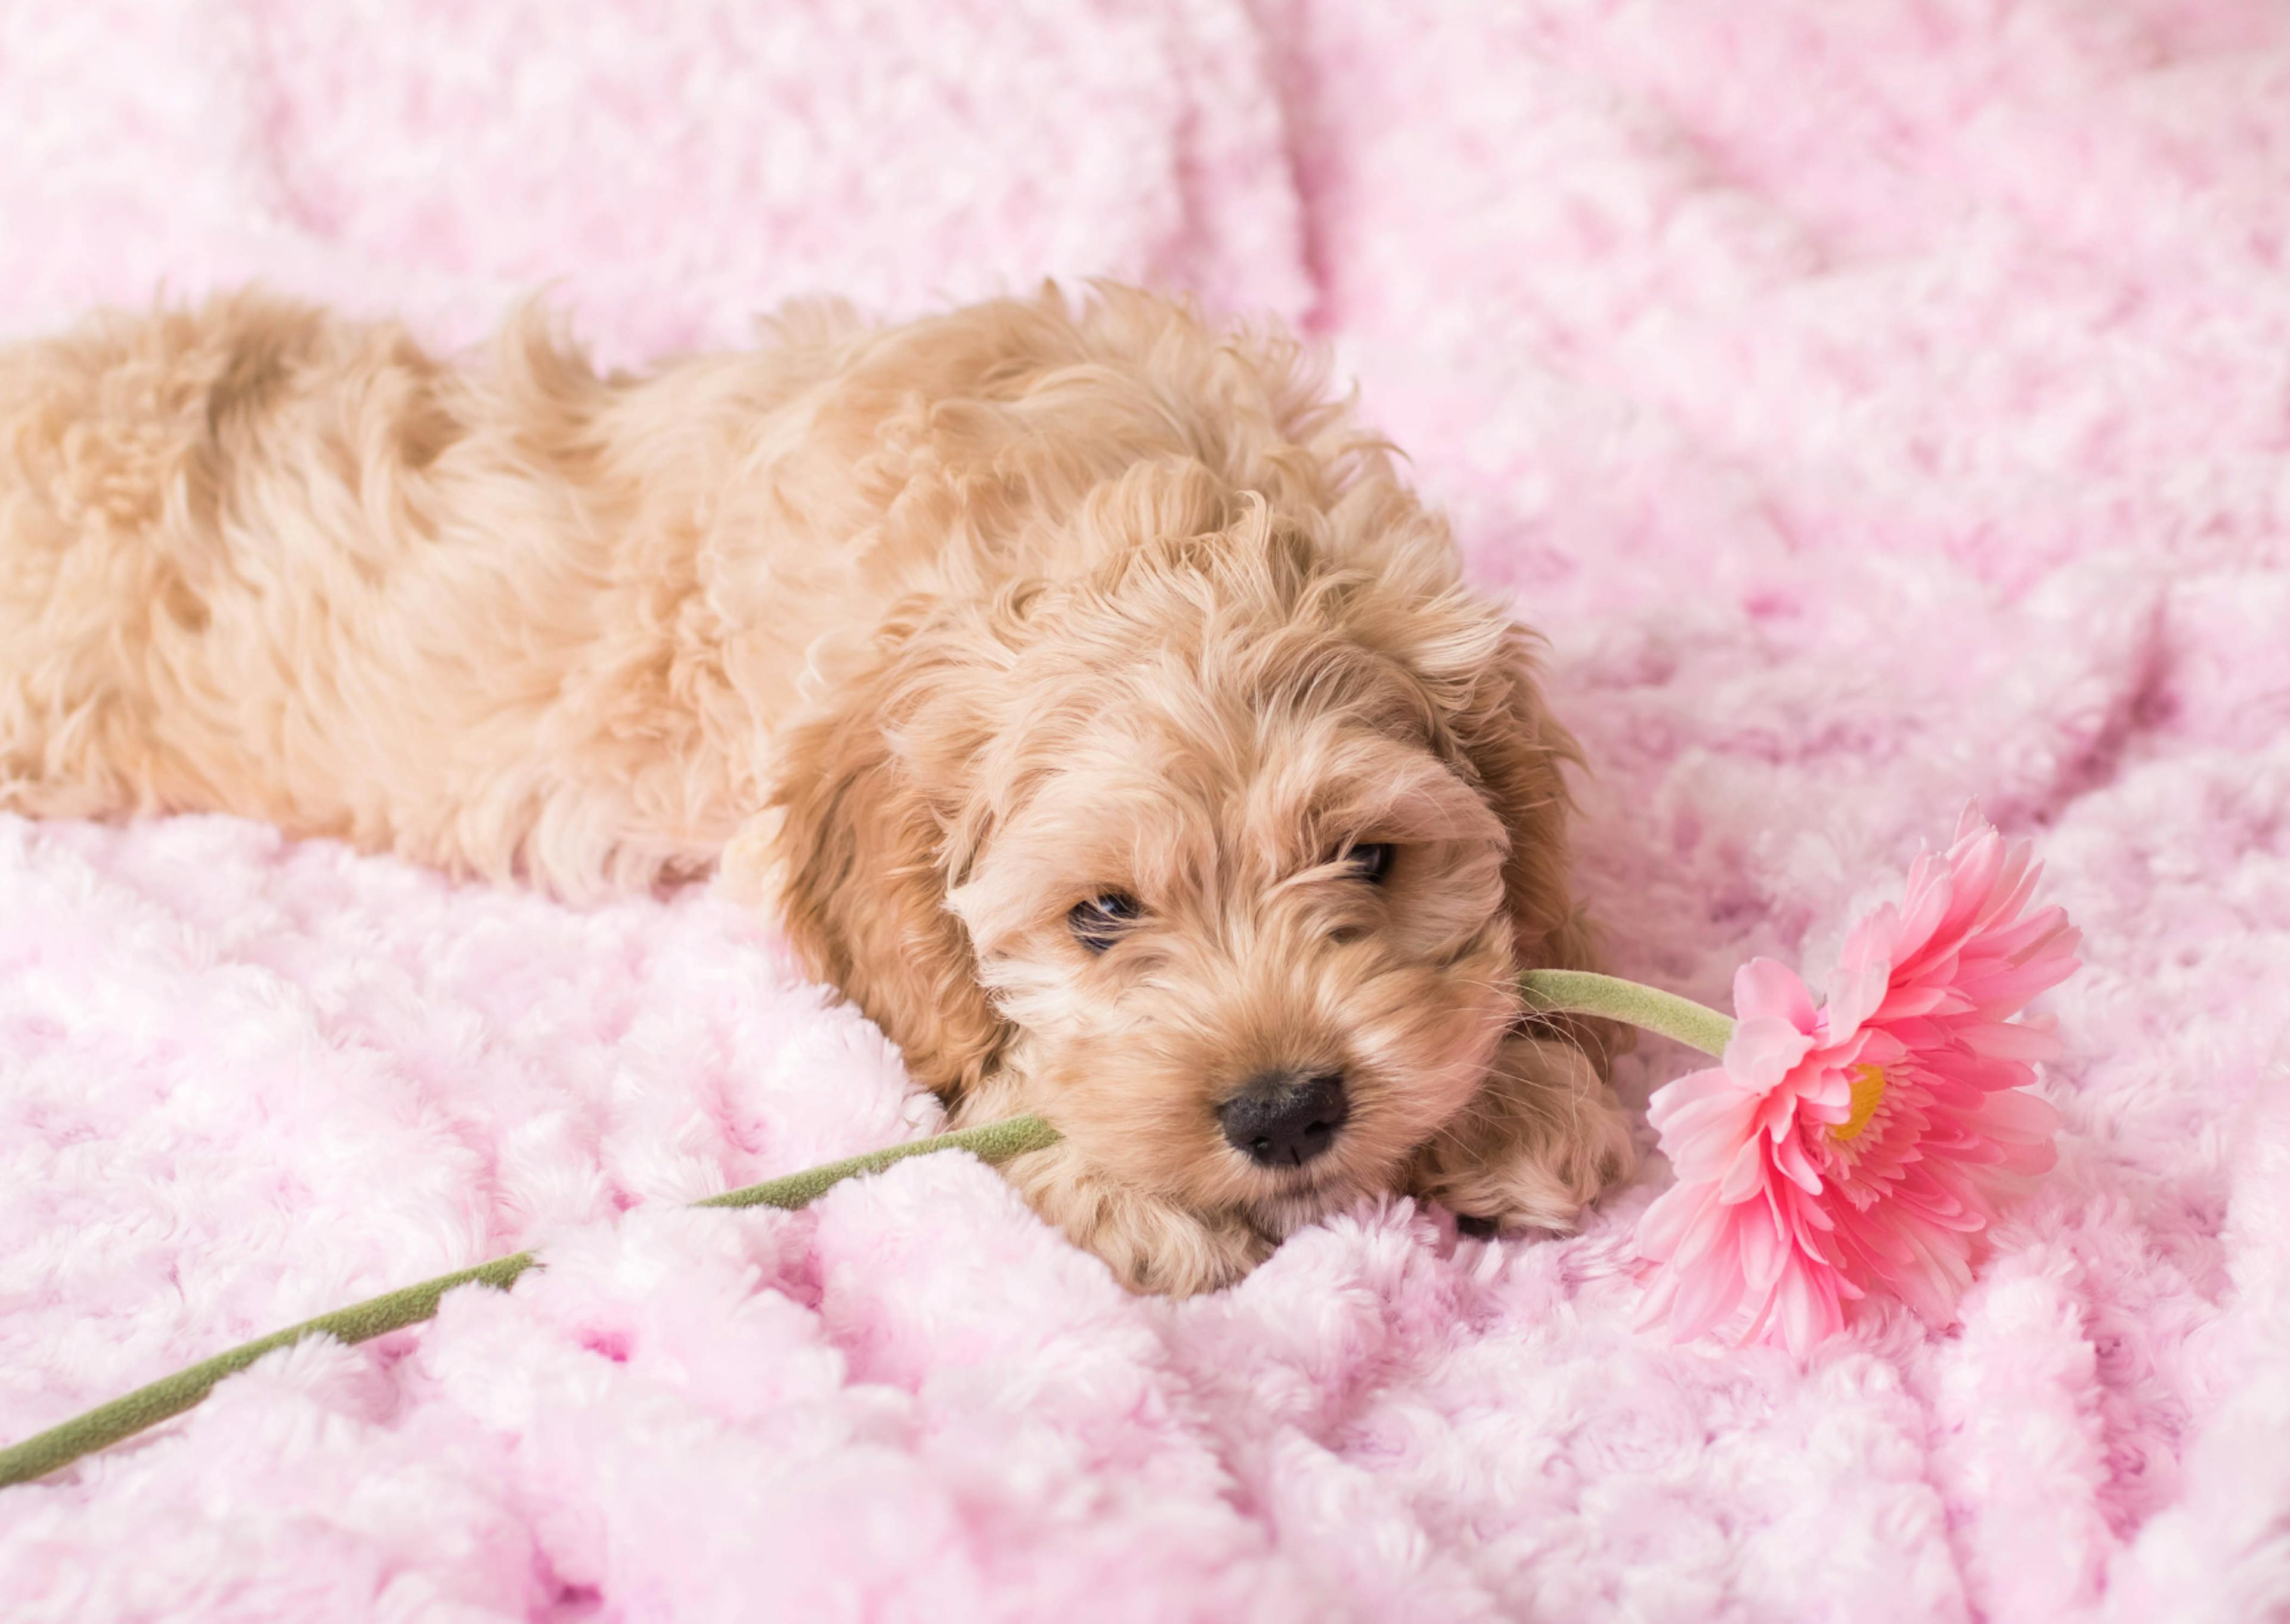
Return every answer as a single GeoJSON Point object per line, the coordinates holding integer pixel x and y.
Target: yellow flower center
{"type": "Point", "coordinates": [1868, 1094]}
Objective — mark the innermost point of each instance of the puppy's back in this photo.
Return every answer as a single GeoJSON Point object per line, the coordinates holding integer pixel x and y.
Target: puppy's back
{"type": "Point", "coordinates": [259, 558]}
{"type": "Point", "coordinates": [503, 614]}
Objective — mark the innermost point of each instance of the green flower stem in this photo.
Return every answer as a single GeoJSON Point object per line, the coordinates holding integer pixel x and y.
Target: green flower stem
{"type": "Point", "coordinates": [1551, 992]}
{"type": "Point", "coordinates": [171, 1395]}
{"type": "Point", "coordinates": [994, 1144]}
{"type": "Point", "coordinates": [1579, 992]}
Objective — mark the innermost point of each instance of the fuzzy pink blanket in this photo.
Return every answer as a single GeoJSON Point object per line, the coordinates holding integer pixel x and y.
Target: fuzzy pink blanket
{"type": "Point", "coordinates": [1879, 405]}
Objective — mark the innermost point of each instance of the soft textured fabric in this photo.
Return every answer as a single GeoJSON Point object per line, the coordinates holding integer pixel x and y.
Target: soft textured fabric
{"type": "Point", "coordinates": [1880, 406]}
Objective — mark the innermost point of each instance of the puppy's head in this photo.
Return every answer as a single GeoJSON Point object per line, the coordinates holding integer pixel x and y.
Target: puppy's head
{"type": "Point", "coordinates": [1228, 851]}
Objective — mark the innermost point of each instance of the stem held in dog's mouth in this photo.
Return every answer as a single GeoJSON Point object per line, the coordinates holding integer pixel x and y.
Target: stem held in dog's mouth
{"type": "Point", "coordinates": [1583, 992]}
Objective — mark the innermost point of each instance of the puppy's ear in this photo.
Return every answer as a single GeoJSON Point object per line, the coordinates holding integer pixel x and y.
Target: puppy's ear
{"type": "Point", "coordinates": [853, 851]}
{"type": "Point", "coordinates": [1518, 751]}
{"type": "Point", "coordinates": [1479, 672]}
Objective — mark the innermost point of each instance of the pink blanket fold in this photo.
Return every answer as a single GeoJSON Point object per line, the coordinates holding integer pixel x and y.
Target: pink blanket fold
{"type": "Point", "coordinates": [1880, 405]}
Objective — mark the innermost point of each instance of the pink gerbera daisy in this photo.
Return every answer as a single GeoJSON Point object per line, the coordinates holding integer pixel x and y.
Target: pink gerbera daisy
{"type": "Point", "coordinates": [1859, 1148]}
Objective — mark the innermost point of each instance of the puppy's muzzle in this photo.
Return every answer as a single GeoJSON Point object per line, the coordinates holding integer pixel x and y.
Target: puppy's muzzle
{"type": "Point", "coordinates": [1282, 1119]}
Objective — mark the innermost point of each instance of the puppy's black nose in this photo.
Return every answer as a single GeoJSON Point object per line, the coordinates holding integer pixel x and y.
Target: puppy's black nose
{"type": "Point", "coordinates": [1284, 1120]}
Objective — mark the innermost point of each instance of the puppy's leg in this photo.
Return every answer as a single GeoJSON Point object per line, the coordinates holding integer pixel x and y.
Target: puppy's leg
{"type": "Point", "coordinates": [1149, 1244]}
{"type": "Point", "coordinates": [1537, 1144]}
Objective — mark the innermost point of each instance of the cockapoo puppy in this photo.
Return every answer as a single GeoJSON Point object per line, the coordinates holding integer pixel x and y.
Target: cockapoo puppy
{"type": "Point", "coordinates": [1078, 685]}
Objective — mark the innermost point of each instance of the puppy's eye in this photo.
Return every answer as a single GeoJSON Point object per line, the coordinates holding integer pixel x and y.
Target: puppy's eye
{"type": "Point", "coordinates": [1098, 923]}
{"type": "Point", "coordinates": [1372, 863]}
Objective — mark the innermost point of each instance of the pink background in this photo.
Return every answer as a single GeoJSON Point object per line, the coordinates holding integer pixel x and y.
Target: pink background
{"type": "Point", "coordinates": [1878, 404]}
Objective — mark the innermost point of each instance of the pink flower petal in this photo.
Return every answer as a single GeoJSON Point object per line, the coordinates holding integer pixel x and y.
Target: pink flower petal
{"type": "Point", "coordinates": [1902, 1003]}
{"type": "Point", "coordinates": [1689, 1113]}
{"type": "Point", "coordinates": [1709, 1292]}
{"type": "Point", "coordinates": [1707, 1236]}
{"type": "Point", "coordinates": [1924, 905]}
{"type": "Point", "coordinates": [1765, 1247]}
{"type": "Point", "coordinates": [1695, 1086]}
{"type": "Point", "coordinates": [1698, 1154]}
{"type": "Point", "coordinates": [2018, 1116]}
{"type": "Point", "coordinates": [1806, 1310]}
{"type": "Point", "coordinates": [1671, 1218]}
{"type": "Point", "coordinates": [1762, 1050]}
{"type": "Point", "coordinates": [2004, 1041]}
{"type": "Point", "coordinates": [1864, 972]}
{"type": "Point", "coordinates": [1830, 1089]}
{"type": "Point", "coordinates": [1745, 1173]}
{"type": "Point", "coordinates": [1766, 987]}
{"type": "Point", "coordinates": [1790, 1161]}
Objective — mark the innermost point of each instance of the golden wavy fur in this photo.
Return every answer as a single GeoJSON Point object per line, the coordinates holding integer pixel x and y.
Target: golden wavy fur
{"type": "Point", "coordinates": [927, 637]}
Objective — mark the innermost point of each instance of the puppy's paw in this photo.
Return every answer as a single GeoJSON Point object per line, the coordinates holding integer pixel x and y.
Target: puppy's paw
{"type": "Point", "coordinates": [1150, 1244]}
{"type": "Point", "coordinates": [1536, 1145]}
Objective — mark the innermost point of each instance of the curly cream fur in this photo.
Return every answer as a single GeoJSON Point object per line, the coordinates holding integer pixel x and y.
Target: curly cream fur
{"type": "Point", "coordinates": [920, 634]}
